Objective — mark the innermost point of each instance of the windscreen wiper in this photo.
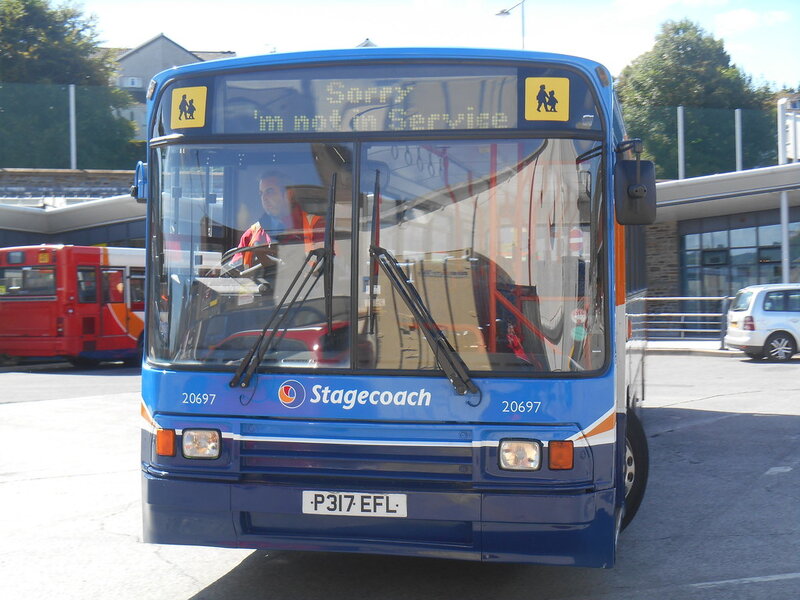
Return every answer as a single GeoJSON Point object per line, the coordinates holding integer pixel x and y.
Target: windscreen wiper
{"type": "Point", "coordinates": [322, 265]}
{"type": "Point", "coordinates": [373, 264]}
{"type": "Point", "coordinates": [246, 369]}
{"type": "Point", "coordinates": [448, 359]}
{"type": "Point", "coordinates": [328, 247]}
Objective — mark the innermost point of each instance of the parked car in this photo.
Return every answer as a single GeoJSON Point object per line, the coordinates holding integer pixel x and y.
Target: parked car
{"type": "Point", "coordinates": [764, 320]}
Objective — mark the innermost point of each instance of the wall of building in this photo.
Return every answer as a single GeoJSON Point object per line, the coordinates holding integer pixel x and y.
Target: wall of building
{"type": "Point", "coordinates": [663, 266]}
{"type": "Point", "coordinates": [136, 67]}
{"type": "Point", "coordinates": [148, 59]}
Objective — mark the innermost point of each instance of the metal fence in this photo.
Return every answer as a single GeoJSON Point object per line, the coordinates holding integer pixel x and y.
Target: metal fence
{"type": "Point", "coordinates": [54, 126]}
{"type": "Point", "coordinates": [86, 127]}
{"type": "Point", "coordinates": [682, 318]}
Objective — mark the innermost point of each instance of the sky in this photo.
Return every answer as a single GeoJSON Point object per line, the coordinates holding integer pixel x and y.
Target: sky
{"type": "Point", "coordinates": [759, 35]}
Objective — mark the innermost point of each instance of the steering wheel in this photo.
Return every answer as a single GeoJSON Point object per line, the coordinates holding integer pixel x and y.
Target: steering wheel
{"type": "Point", "coordinates": [262, 256]}
{"type": "Point", "coordinates": [241, 250]}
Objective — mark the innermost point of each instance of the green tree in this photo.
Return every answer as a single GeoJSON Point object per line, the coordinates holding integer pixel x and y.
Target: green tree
{"type": "Point", "coordinates": [688, 67]}
{"type": "Point", "coordinates": [42, 50]}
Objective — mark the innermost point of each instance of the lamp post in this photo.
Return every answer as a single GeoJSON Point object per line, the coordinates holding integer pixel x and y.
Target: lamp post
{"type": "Point", "coordinates": [787, 124]}
{"type": "Point", "coordinates": [507, 11]}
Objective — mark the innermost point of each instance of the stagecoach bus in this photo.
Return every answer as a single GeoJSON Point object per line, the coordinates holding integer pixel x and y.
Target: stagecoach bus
{"type": "Point", "coordinates": [82, 303]}
{"type": "Point", "coordinates": [419, 345]}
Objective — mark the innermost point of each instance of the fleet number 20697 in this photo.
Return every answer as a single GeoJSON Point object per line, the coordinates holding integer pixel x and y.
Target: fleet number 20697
{"type": "Point", "coordinates": [527, 406]}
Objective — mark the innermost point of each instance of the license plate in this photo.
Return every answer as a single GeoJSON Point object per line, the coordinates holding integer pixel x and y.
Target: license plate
{"type": "Point", "coordinates": [354, 504]}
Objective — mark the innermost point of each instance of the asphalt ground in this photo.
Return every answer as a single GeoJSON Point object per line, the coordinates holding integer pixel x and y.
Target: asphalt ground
{"type": "Point", "coordinates": [720, 519]}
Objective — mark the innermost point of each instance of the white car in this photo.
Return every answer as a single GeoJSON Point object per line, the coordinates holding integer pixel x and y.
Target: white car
{"type": "Point", "coordinates": [764, 320]}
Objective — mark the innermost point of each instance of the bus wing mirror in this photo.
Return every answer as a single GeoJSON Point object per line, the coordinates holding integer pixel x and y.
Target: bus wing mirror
{"type": "Point", "coordinates": [139, 187]}
{"type": "Point", "coordinates": [634, 187]}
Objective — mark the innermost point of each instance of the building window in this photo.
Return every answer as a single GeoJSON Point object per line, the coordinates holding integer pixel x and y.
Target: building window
{"type": "Point", "coordinates": [720, 255]}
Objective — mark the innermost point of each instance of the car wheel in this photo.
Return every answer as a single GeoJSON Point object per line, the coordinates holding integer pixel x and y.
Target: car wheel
{"type": "Point", "coordinates": [779, 347]}
{"type": "Point", "coordinates": [635, 469]}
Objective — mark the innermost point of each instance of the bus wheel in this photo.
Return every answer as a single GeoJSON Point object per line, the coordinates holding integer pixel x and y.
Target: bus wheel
{"type": "Point", "coordinates": [636, 468]}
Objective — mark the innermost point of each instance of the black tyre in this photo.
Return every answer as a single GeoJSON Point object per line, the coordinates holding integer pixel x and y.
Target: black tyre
{"type": "Point", "coordinates": [635, 469]}
{"type": "Point", "coordinates": [779, 347]}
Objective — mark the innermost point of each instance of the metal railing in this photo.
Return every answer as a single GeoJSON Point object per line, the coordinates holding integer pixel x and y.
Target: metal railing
{"type": "Point", "coordinates": [682, 317]}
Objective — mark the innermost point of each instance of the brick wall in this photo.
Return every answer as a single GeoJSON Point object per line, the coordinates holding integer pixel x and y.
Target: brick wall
{"type": "Point", "coordinates": [663, 265]}
{"type": "Point", "coordinates": [83, 183]}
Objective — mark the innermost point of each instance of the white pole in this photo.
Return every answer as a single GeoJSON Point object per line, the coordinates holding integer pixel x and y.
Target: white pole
{"type": "Point", "coordinates": [681, 146]}
{"type": "Point", "coordinates": [782, 131]}
{"type": "Point", "coordinates": [737, 115]}
{"type": "Point", "coordinates": [785, 273]}
{"type": "Point", "coordinates": [522, 6]}
{"type": "Point", "coordinates": [73, 140]}
{"type": "Point", "coordinates": [784, 195]}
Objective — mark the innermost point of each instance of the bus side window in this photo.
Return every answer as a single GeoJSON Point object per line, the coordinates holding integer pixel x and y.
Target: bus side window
{"type": "Point", "coordinates": [113, 286]}
{"type": "Point", "coordinates": [87, 284]}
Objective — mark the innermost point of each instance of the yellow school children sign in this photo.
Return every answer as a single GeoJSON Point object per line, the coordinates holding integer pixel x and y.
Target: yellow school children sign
{"type": "Point", "coordinates": [188, 107]}
{"type": "Point", "coordinates": [547, 99]}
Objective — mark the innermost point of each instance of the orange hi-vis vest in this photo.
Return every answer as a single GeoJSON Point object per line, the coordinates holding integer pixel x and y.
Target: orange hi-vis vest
{"type": "Point", "coordinates": [313, 230]}
{"type": "Point", "coordinates": [312, 227]}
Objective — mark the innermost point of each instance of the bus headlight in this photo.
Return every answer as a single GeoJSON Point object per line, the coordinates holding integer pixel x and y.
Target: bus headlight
{"type": "Point", "coordinates": [201, 443]}
{"type": "Point", "coordinates": [520, 455]}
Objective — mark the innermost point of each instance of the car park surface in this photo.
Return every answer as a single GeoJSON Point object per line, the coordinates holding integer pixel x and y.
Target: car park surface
{"type": "Point", "coordinates": [719, 520]}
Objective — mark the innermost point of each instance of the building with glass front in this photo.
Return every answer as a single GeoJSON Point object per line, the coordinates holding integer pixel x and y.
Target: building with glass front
{"type": "Point", "coordinates": [717, 234]}
{"type": "Point", "coordinates": [719, 255]}
{"type": "Point", "coordinates": [713, 235]}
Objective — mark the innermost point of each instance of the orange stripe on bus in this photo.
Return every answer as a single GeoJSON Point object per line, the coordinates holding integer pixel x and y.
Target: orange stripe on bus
{"type": "Point", "coordinates": [619, 264]}
{"type": "Point", "coordinates": [606, 424]}
{"type": "Point", "coordinates": [147, 417]}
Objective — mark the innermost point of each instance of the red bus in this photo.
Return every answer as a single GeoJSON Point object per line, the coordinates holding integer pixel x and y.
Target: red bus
{"type": "Point", "coordinates": [83, 303]}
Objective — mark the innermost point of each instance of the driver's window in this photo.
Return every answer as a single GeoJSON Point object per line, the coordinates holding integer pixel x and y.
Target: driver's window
{"type": "Point", "coordinates": [240, 225]}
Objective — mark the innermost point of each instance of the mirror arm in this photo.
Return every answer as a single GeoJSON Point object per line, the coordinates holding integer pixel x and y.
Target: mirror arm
{"type": "Point", "coordinates": [637, 190]}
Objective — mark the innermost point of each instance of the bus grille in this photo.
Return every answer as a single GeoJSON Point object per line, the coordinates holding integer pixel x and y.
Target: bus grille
{"type": "Point", "coordinates": [356, 465]}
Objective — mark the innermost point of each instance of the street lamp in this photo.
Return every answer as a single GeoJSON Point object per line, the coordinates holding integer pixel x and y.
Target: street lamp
{"type": "Point", "coordinates": [787, 124]}
{"type": "Point", "coordinates": [507, 11]}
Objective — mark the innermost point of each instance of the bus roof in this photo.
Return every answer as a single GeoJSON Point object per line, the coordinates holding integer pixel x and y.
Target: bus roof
{"type": "Point", "coordinates": [116, 253]}
{"type": "Point", "coordinates": [590, 67]}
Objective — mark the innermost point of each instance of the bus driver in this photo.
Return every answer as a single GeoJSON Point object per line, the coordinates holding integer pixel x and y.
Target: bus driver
{"type": "Point", "coordinates": [282, 215]}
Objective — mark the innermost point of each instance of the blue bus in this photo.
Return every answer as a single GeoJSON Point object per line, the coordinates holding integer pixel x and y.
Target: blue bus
{"type": "Point", "coordinates": [386, 306]}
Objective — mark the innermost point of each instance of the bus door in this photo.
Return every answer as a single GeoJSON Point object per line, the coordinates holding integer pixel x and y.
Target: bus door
{"type": "Point", "coordinates": [113, 311]}
{"type": "Point", "coordinates": [135, 302]}
{"type": "Point", "coordinates": [86, 312]}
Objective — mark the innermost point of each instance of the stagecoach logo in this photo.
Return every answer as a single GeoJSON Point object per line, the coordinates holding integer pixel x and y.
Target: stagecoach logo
{"type": "Point", "coordinates": [291, 393]}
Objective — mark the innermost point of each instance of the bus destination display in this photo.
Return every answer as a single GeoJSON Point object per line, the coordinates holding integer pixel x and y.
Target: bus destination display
{"type": "Point", "coordinates": [458, 102]}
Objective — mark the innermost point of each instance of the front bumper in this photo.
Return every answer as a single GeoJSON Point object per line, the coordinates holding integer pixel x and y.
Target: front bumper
{"type": "Point", "coordinates": [570, 528]}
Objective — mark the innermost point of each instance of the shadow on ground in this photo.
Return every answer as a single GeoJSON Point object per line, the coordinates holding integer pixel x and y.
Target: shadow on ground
{"type": "Point", "coordinates": [717, 509]}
